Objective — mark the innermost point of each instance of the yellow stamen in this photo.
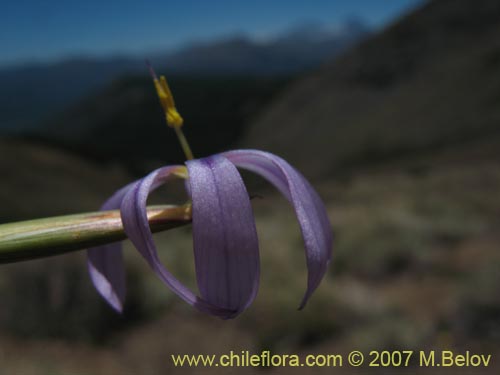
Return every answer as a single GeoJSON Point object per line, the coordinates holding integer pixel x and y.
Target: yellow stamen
{"type": "Point", "coordinates": [174, 119]}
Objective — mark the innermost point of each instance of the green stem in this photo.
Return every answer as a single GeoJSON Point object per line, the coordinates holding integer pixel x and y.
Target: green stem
{"type": "Point", "coordinates": [184, 143]}
{"type": "Point", "coordinates": [45, 237]}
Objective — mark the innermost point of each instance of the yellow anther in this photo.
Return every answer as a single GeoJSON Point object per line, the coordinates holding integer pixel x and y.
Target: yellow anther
{"type": "Point", "coordinates": [173, 117]}
{"type": "Point", "coordinates": [166, 89]}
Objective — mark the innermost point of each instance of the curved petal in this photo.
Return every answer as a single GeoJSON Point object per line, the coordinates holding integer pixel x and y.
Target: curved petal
{"type": "Point", "coordinates": [310, 210]}
{"type": "Point", "coordinates": [225, 239]}
{"type": "Point", "coordinates": [105, 263]}
{"type": "Point", "coordinates": [134, 218]}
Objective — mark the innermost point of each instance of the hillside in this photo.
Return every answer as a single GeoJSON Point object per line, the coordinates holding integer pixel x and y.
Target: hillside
{"type": "Point", "coordinates": [430, 82]}
{"type": "Point", "coordinates": [415, 267]}
{"type": "Point", "coordinates": [40, 181]}
{"type": "Point", "coordinates": [124, 122]}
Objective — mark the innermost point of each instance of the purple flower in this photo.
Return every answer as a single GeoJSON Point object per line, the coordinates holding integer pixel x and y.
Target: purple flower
{"type": "Point", "coordinates": [225, 240]}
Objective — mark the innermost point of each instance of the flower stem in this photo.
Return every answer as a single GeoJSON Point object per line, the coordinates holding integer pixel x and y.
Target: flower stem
{"type": "Point", "coordinates": [184, 143]}
{"type": "Point", "coordinates": [45, 237]}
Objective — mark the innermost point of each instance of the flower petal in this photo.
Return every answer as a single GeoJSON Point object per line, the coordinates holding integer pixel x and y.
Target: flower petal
{"type": "Point", "coordinates": [225, 240]}
{"type": "Point", "coordinates": [105, 263]}
{"type": "Point", "coordinates": [310, 210]}
{"type": "Point", "coordinates": [135, 222]}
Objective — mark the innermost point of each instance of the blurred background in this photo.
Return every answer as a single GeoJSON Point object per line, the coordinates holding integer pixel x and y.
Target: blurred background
{"type": "Point", "coordinates": [391, 108]}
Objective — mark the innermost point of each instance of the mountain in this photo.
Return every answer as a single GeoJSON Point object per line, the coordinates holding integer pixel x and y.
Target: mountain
{"type": "Point", "coordinates": [298, 49]}
{"type": "Point", "coordinates": [429, 82]}
{"type": "Point", "coordinates": [48, 88]}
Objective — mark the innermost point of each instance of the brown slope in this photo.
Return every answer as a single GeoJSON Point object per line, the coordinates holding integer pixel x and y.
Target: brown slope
{"type": "Point", "coordinates": [432, 80]}
{"type": "Point", "coordinates": [38, 181]}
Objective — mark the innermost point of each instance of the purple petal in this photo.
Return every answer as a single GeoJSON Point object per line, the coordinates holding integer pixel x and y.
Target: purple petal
{"type": "Point", "coordinates": [310, 210]}
{"type": "Point", "coordinates": [225, 240]}
{"type": "Point", "coordinates": [105, 263]}
{"type": "Point", "coordinates": [135, 222]}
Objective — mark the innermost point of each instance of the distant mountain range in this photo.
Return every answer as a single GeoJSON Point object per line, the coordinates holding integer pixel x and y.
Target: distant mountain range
{"type": "Point", "coordinates": [32, 93]}
{"type": "Point", "coordinates": [299, 49]}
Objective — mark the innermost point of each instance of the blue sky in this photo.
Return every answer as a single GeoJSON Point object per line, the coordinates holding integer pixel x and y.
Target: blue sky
{"type": "Point", "coordinates": [54, 29]}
